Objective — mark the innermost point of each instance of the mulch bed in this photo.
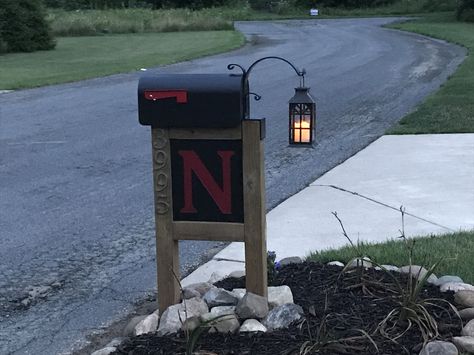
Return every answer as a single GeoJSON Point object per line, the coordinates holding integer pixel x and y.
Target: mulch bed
{"type": "Point", "coordinates": [338, 307]}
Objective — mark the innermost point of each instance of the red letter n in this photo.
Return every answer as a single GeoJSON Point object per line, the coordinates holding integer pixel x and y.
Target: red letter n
{"type": "Point", "coordinates": [221, 196]}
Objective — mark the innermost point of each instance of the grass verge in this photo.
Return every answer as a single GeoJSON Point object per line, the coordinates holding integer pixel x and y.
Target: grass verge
{"type": "Point", "coordinates": [451, 109]}
{"type": "Point", "coordinates": [455, 249]}
{"type": "Point", "coordinates": [99, 22]}
{"type": "Point", "coordinates": [77, 58]}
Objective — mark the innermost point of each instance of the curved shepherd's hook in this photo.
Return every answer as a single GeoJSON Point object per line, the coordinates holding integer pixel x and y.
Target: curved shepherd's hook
{"type": "Point", "coordinates": [246, 73]}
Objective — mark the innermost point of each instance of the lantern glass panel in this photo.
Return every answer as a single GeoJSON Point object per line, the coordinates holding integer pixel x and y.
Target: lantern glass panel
{"type": "Point", "coordinates": [301, 124]}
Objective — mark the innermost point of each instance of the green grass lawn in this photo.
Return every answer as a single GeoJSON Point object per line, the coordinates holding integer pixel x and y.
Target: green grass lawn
{"type": "Point", "coordinates": [77, 58]}
{"type": "Point", "coordinates": [456, 250]}
{"type": "Point", "coordinates": [451, 109]}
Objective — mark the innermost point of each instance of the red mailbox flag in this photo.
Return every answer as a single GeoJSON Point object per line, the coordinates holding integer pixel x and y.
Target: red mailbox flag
{"type": "Point", "coordinates": [180, 95]}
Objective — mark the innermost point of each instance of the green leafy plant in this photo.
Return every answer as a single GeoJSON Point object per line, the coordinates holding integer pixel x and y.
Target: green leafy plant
{"type": "Point", "coordinates": [411, 309]}
{"type": "Point", "coordinates": [272, 266]}
{"type": "Point", "coordinates": [23, 27]}
{"type": "Point", "coordinates": [193, 337]}
{"type": "Point", "coordinates": [323, 341]}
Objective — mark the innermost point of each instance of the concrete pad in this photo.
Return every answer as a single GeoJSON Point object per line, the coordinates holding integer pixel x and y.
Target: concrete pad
{"type": "Point", "coordinates": [430, 175]}
{"type": "Point", "coordinates": [204, 272]}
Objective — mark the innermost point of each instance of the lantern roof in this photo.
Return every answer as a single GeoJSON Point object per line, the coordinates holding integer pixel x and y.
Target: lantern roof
{"type": "Point", "coordinates": [302, 96]}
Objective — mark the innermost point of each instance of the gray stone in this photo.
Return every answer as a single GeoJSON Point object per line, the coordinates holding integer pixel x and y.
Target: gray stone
{"type": "Point", "coordinates": [418, 272]}
{"type": "Point", "coordinates": [225, 324]}
{"type": "Point", "coordinates": [464, 298]}
{"type": "Point", "coordinates": [237, 274]}
{"type": "Point", "coordinates": [239, 292]}
{"type": "Point", "coordinates": [200, 287]}
{"type": "Point", "coordinates": [189, 293]}
{"type": "Point", "coordinates": [439, 348]}
{"type": "Point", "coordinates": [468, 329]}
{"type": "Point", "coordinates": [173, 317]}
{"type": "Point", "coordinates": [252, 325]}
{"type": "Point", "coordinates": [220, 297]}
{"type": "Point", "coordinates": [147, 325]}
{"type": "Point", "coordinates": [290, 260]}
{"type": "Point", "coordinates": [115, 342]}
{"type": "Point", "coordinates": [191, 323]}
{"type": "Point", "coordinates": [279, 295]}
{"type": "Point", "coordinates": [252, 306]}
{"type": "Point", "coordinates": [466, 314]}
{"type": "Point", "coordinates": [221, 310]}
{"type": "Point", "coordinates": [359, 262]}
{"type": "Point", "coordinates": [129, 330]}
{"type": "Point", "coordinates": [105, 351]}
{"type": "Point", "coordinates": [390, 268]}
{"type": "Point", "coordinates": [283, 316]}
{"type": "Point", "coordinates": [336, 263]}
{"type": "Point", "coordinates": [456, 287]}
{"type": "Point", "coordinates": [464, 344]}
{"type": "Point", "coordinates": [448, 278]}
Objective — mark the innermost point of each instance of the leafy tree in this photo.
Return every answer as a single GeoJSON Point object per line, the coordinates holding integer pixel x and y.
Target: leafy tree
{"type": "Point", "coordinates": [23, 27]}
{"type": "Point", "coordinates": [466, 10]}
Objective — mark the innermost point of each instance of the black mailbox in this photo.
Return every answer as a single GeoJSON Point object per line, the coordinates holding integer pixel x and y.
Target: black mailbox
{"type": "Point", "coordinates": [191, 100]}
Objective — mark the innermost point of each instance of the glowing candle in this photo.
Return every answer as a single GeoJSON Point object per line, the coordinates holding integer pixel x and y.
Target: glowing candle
{"type": "Point", "coordinates": [302, 132]}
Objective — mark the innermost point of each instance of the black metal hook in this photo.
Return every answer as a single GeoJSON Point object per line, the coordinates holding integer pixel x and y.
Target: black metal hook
{"type": "Point", "coordinates": [246, 73]}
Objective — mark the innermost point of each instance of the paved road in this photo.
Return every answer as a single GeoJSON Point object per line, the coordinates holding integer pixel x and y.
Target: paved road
{"type": "Point", "coordinates": [76, 213]}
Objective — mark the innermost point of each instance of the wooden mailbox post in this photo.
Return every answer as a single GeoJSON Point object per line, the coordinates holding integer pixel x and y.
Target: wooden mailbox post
{"type": "Point", "coordinates": [207, 172]}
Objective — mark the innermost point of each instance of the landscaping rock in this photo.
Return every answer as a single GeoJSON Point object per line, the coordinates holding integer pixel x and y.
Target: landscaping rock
{"type": "Point", "coordinates": [105, 351]}
{"type": "Point", "coordinates": [237, 274]}
{"type": "Point", "coordinates": [221, 310]}
{"type": "Point", "coordinates": [220, 297]}
{"type": "Point", "coordinates": [172, 318]}
{"type": "Point", "coordinates": [464, 298]}
{"type": "Point", "coordinates": [448, 278]}
{"type": "Point", "coordinates": [252, 306]}
{"type": "Point", "coordinates": [359, 262]}
{"type": "Point", "coordinates": [335, 263]}
{"type": "Point", "coordinates": [468, 329]}
{"type": "Point", "coordinates": [419, 272]}
{"type": "Point", "coordinates": [191, 323]}
{"type": "Point", "coordinates": [226, 324]}
{"type": "Point", "coordinates": [439, 348]}
{"type": "Point", "coordinates": [115, 342]}
{"type": "Point", "coordinates": [252, 325]}
{"type": "Point", "coordinates": [464, 344]}
{"type": "Point", "coordinates": [282, 316]}
{"type": "Point", "coordinates": [466, 314]}
{"type": "Point", "coordinates": [189, 293]}
{"type": "Point", "coordinates": [279, 295]}
{"type": "Point", "coordinates": [130, 328]}
{"type": "Point", "coordinates": [290, 260]}
{"type": "Point", "coordinates": [201, 287]}
{"type": "Point", "coordinates": [147, 325]}
{"type": "Point", "coordinates": [456, 287]}
{"type": "Point", "coordinates": [391, 268]}
{"type": "Point", "coordinates": [239, 292]}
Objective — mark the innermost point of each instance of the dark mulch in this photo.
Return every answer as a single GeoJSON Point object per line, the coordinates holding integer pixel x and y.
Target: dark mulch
{"type": "Point", "coordinates": [337, 307]}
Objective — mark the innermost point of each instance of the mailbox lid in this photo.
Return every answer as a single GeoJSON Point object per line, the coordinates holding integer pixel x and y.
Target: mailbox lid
{"type": "Point", "coordinates": [191, 100]}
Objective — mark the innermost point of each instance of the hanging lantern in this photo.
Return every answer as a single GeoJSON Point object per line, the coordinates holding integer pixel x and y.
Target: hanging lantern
{"type": "Point", "coordinates": [302, 110]}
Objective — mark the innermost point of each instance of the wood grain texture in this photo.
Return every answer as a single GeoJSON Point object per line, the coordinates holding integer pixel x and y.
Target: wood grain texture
{"type": "Point", "coordinates": [227, 232]}
{"type": "Point", "coordinates": [224, 133]}
{"type": "Point", "coordinates": [254, 209]}
{"type": "Point", "coordinates": [167, 249]}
